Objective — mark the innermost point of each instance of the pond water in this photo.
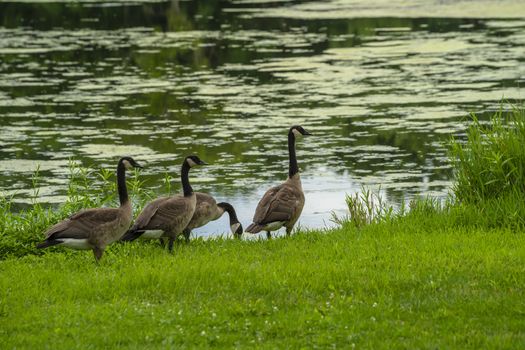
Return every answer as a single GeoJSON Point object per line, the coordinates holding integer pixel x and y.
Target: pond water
{"type": "Point", "coordinates": [381, 84]}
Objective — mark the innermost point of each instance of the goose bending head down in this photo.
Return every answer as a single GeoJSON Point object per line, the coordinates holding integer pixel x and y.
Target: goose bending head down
{"type": "Point", "coordinates": [168, 216]}
{"type": "Point", "coordinates": [207, 210]}
{"type": "Point", "coordinates": [282, 205]}
{"type": "Point", "coordinates": [96, 228]}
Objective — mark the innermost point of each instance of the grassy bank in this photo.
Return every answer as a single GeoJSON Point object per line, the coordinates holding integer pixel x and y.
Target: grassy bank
{"type": "Point", "coordinates": [387, 285]}
{"type": "Point", "coordinates": [20, 231]}
{"type": "Point", "coordinates": [432, 275]}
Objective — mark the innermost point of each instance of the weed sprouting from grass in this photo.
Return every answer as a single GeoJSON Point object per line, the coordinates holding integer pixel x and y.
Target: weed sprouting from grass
{"type": "Point", "coordinates": [167, 183]}
{"type": "Point", "coordinates": [34, 182]}
{"type": "Point", "coordinates": [82, 190]}
{"type": "Point", "coordinates": [364, 208]}
{"type": "Point", "coordinates": [108, 187]}
{"type": "Point", "coordinates": [137, 185]}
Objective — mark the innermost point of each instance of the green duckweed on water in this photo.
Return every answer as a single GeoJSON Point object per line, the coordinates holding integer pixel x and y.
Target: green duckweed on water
{"type": "Point", "coordinates": [382, 85]}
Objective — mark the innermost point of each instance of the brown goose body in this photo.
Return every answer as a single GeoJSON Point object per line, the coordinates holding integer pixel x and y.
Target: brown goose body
{"type": "Point", "coordinates": [167, 216]}
{"type": "Point", "coordinates": [207, 210]}
{"type": "Point", "coordinates": [282, 205]}
{"type": "Point", "coordinates": [92, 228]}
{"type": "Point", "coordinates": [95, 228]}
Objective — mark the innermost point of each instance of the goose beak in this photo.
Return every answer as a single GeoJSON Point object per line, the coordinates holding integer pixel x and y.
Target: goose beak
{"type": "Point", "coordinates": [239, 231]}
{"type": "Point", "coordinates": [307, 133]}
{"type": "Point", "coordinates": [203, 163]}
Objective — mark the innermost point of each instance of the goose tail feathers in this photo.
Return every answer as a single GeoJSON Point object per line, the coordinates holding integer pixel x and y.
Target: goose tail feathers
{"type": "Point", "coordinates": [254, 228]}
{"type": "Point", "coordinates": [131, 235]}
{"type": "Point", "coordinates": [46, 244]}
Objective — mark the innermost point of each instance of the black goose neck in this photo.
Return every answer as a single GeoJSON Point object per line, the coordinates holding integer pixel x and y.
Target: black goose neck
{"type": "Point", "coordinates": [231, 212]}
{"type": "Point", "coordinates": [293, 167]}
{"type": "Point", "coordinates": [184, 178]}
{"type": "Point", "coordinates": [121, 183]}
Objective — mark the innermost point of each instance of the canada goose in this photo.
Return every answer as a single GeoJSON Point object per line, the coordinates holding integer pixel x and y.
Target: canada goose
{"type": "Point", "coordinates": [207, 210]}
{"type": "Point", "coordinates": [95, 228]}
{"type": "Point", "coordinates": [282, 205]}
{"type": "Point", "coordinates": [167, 216]}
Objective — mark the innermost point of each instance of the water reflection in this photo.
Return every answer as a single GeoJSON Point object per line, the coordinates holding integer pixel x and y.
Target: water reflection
{"type": "Point", "coordinates": [382, 86]}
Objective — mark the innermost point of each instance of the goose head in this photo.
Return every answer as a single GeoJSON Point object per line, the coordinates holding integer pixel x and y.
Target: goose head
{"type": "Point", "coordinates": [129, 163]}
{"type": "Point", "coordinates": [194, 161]}
{"type": "Point", "coordinates": [299, 131]}
{"type": "Point", "coordinates": [237, 229]}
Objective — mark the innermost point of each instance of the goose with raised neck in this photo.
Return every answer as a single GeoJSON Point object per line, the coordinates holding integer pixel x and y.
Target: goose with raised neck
{"type": "Point", "coordinates": [96, 228]}
{"type": "Point", "coordinates": [282, 205]}
{"type": "Point", "coordinates": [168, 216]}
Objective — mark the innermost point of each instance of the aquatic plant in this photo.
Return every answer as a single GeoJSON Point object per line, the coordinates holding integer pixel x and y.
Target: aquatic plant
{"type": "Point", "coordinates": [489, 181]}
{"type": "Point", "coordinates": [366, 207]}
{"type": "Point", "coordinates": [489, 167]}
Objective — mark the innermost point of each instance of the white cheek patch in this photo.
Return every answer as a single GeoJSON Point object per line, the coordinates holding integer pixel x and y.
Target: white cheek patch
{"type": "Point", "coordinates": [297, 133]}
{"type": "Point", "coordinates": [191, 163]}
{"type": "Point", "coordinates": [127, 164]}
{"type": "Point", "coordinates": [234, 227]}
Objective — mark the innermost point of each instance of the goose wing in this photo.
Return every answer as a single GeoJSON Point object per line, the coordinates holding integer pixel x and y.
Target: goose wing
{"type": "Point", "coordinates": [160, 213]}
{"type": "Point", "coordinates": [81, 224]}
{"type": "Point", "coordinates": [278, 204]}
{"type": "Point", "coordinates": [205, 205]}
{"type": "Point", "coordinates": [148, 212]}
{"type": "Point", "coordinates": [205, 211]}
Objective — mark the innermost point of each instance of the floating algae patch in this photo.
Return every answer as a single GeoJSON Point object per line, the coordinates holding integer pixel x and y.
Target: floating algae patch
{"type": "Point", "coordinates": [381, 88]}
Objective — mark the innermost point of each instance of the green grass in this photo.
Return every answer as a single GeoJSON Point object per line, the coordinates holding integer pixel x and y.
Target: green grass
{"type": "Point", "coordinates": [430, 275]}
{"type": "Point", "coordinates": [389, 285]}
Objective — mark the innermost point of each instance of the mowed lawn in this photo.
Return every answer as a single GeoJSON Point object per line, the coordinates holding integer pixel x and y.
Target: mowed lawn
{"type": "Point", "coordinates": [384, 286]}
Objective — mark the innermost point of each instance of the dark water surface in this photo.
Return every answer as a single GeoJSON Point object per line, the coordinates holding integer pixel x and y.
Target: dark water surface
{"type": "Point", "coordinates": [381, 85]}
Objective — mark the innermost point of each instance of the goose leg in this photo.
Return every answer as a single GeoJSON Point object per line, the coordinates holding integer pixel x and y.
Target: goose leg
{"type": "Point", "coordinates": [268, 235]}
{"type": "Point", "coordinates": [97, 251]}
{"type": "Point", "coordinates": [187, 234]}
{"type": "Point", "coordinates": [288, 231]}
{"type": "Point", "coordinates": [170, 244]}
{"type": "Point", "coordinates": [162, 243]}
